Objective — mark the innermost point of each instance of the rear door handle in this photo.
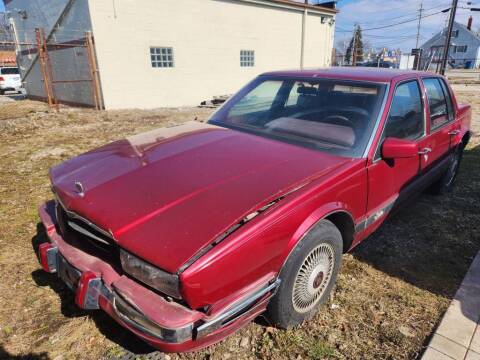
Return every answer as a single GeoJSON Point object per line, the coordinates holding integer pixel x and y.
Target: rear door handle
{"type": "Point", "coordinates": [454, 132]}
{"type": "Point", "coordinates": [425, 151]}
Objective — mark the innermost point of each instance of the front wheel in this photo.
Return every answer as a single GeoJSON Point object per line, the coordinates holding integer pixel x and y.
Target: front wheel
{"type": "Point", "coordinates": [445, 183]}
{"type": "Point", "coordinates": [308, 276]}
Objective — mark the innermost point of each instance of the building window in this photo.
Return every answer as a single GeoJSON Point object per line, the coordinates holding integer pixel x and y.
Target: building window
{"type": "Point", "coordinates": [247, 58]}
{"type": "Point", "coordinates": [162, 57]}
{"type": "Point", "coordinates": [454, 33]}
{"type": "Point", "coordinates": [461, 49]}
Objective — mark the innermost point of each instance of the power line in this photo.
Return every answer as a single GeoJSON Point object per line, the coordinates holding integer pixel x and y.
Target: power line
{"type": "Point", "coordinates": [410, 13]}
{"type": "Point", "coordinates": [402, 22]}
{"type": "Point", "coordinates": [391, 9]}
{"type": "Point", "coordinates": [396, 36]}
{"type": "Point", "coordinates": [399, 23]}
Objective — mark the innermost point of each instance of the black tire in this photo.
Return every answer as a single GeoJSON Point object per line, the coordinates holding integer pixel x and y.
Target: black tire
{"type": "Point", "coordinates": [445, 184]}
{"type": "Point", "coordinates": [2, 92]}
{"type": "Point", "coordinates": [294, 302]}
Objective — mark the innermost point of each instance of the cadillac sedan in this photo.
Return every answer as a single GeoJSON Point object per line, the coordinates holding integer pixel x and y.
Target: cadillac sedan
{"type": "Point", "coordinates": [184, 234]}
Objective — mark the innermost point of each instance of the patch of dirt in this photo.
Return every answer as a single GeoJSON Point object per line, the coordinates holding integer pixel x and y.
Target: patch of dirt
{"type": "Point", "coordinates": [391, 292]}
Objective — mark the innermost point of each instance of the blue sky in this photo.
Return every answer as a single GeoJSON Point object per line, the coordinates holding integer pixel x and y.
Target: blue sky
{"type": "Point", "coordinates": [2, 7]}
{"type": "Point", "coordinates": [377, 13]}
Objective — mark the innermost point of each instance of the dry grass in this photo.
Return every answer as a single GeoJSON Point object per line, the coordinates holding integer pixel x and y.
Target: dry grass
{"type": "Point", "coordinates": [391, 292]}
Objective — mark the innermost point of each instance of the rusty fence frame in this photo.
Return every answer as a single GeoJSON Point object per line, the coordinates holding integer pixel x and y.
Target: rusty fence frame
{"type": "Point", "coordinates": [42, 46]}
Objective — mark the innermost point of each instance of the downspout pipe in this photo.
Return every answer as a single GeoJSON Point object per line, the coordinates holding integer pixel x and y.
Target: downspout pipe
{"type": "Point", "coordinates": [304, 25]}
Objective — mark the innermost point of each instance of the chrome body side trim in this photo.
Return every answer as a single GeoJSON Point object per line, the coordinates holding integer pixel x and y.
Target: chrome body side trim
{"type": "Point", "coordinates": [231, 315]}
{"type": "Point", "coordinates": [134, 318]}
{"type": "Point", "coordinates": [365, 223]}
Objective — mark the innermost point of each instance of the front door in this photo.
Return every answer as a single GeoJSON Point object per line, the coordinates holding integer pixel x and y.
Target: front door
{"type": "Point", "coordinates": [387, 178]}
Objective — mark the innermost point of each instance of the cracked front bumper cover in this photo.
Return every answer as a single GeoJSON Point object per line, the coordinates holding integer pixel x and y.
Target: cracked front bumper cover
{"type": "Point", "coordinates": [97, 285]}
{"type": "Point", "coordinates": [166, 325]}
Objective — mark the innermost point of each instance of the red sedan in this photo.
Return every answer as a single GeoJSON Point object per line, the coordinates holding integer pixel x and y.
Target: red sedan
{"type": "Point", "coordinates": [185, 234]}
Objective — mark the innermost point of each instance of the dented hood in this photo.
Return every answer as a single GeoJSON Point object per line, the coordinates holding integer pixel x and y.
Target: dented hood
{"type": "Point", "coordinates": [166, 194]}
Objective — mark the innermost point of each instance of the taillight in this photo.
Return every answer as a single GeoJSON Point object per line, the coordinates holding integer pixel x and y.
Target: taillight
{"type": "Point", "coordinates": [2, 78]}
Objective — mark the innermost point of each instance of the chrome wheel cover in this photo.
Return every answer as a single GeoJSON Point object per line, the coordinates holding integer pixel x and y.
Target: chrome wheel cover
{"type": "Point", "coordinates": [313, 277]}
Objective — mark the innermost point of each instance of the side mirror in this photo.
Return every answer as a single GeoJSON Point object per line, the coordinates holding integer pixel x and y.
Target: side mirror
{"type": "Point", "coordinates": [394, 148]}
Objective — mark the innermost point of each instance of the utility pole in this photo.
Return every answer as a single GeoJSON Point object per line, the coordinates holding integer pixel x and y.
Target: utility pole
{"type": "Point", "coordinates": [418, 26]}
{"type": "Point", "coordinates": [446, 48]}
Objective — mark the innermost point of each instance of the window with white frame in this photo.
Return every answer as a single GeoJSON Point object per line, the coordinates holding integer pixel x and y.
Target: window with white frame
{"type": "Point", "coordinates": [454, 33]}
{"type": "Point", "coordinates": [461, 48]}
{"type": "Point", "coordinates": [247, 58]}
{"type": "Point", "coordinates": [162, 57]}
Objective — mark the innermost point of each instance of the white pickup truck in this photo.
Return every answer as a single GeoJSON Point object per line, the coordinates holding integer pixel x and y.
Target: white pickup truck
{"type": "Point", "coordinates": [10, 80]}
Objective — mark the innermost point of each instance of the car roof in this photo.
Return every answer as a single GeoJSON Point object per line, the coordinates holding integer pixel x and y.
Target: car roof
{"type": "Point", "coordinates": [352, 73]}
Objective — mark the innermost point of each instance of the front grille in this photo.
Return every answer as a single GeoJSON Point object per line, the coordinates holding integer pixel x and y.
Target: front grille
{"type": "Point", "coordinates": [83, 234]}
{"type": "Point", "coordinates": [96, 237]}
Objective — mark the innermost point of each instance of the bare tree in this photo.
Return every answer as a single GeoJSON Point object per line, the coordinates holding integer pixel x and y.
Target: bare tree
{"type": "Point", "coordinates": [354, 52]}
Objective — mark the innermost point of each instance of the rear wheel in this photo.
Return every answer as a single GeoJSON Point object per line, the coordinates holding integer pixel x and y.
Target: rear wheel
{"type": "Point", "coordinates": [445, 183]}
{"type": "Point", "coordinates": [308, 276]}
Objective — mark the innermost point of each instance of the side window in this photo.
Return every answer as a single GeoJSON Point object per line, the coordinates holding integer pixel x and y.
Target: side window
{"type": "Point", "coordinates": [405, 120]}
{"type": "Point", "coordinates": [451, 115]}
{"type": "Point", "coordinates": [437, 103]}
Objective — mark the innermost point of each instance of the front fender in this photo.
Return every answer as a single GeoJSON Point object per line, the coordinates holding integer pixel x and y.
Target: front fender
{"type": "Point", "coordinates": [317, 215]}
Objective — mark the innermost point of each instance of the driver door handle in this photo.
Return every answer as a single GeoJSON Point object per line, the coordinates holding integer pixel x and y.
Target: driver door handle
{"type": "Point", "coordinates": [425, 151]}
{"type": "Point", "coordinates": [454, 132]}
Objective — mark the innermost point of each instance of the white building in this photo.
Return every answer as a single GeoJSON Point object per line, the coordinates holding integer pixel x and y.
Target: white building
{"type": "Point", "coordinates": [157, 53]}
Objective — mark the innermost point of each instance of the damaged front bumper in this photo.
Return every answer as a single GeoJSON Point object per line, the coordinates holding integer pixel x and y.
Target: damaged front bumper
{"type": "Point", "coordinates": [164, 324]}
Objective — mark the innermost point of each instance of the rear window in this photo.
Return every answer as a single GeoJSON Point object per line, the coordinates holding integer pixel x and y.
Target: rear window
{"type": "Point", "coordinates": [9, 71]}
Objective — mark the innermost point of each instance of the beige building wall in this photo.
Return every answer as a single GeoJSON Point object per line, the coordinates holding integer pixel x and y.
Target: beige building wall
{"type": "Point", "coordinates": [206, 37]}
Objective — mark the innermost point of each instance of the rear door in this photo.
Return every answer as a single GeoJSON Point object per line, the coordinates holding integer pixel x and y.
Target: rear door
{"type": "Point", "coordinates": [440, 124]}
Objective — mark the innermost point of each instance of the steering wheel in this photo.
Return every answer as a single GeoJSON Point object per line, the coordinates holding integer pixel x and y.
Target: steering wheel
{"type": "Point", "coordinates": [339, 118]}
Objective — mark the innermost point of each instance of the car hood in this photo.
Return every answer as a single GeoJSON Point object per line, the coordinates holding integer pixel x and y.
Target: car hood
{"type": "Point", "coordinates": [166, 194]}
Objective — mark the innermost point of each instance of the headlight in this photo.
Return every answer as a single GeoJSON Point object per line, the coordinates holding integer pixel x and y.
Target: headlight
{"type": "Point", "coordinates": [150, 275]}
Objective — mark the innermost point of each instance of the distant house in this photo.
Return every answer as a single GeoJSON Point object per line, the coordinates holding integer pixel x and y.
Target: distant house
{"type": "Point", "coordinates": [464, 51]}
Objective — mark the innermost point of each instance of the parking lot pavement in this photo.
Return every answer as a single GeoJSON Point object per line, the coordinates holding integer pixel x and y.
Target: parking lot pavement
{"type": "Point", "coordinates": [458, 335]}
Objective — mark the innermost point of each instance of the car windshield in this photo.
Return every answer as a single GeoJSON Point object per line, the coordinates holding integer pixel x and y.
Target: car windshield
{"type": "Point", "coordinates": [330, 115]}
{"type": "Point", "coordinates": [9, 71]}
